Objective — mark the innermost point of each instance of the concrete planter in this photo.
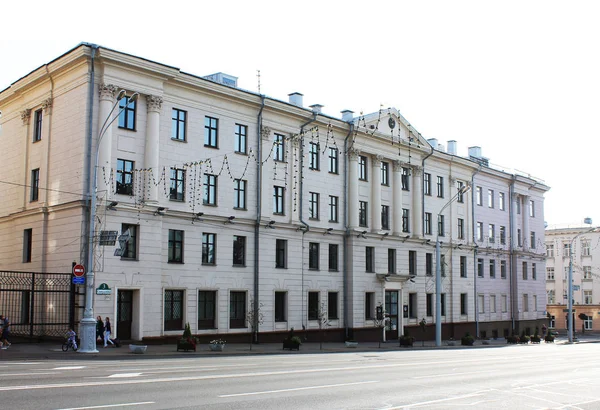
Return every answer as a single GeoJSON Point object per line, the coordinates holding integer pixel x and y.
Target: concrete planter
{"type": "Point", "coordinates": [138, 349]}
{"type": "Point", "coordinates": [216, 347]}
{"type": "Point", "coordinates": [351, 343]}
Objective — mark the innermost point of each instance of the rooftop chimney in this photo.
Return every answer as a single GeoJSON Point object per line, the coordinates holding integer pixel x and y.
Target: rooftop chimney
{"type": "Point", "coordinates": [296, 99]}
{"type": "Point", "coordinates": [317, 108]}
{"type": "Point", "coordinates": [347, 115]}
{"type": "Point", "coordinates": [433, 142]}
{"type": "Point", "coordinates": [452, 147]}
{"type": "Point", "coordinates": [475, 152]}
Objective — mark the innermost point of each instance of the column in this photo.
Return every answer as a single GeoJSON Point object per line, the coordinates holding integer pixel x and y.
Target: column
{"type": "Point", "coordinates": [25, 116]}
{"type": "Point", "coordinates": [376, 193]}
{"type": "Point", "coordinates": [513, 234]}
{"type": "Point", "coordinates": [104, 143]}
{"type": "Point", "coordinates": [525, 214]}
{"type": "Point", "coordinates": [417, 218]}
{"type": "Point", "coordinates": [266, 176]}
{"type": "Point", "coordinates": [46, 132]}
{"type": "Point", "coordinates": [397, 197]}
{"type": "Point", "coordinates": [151, 153]}
{"type": "Point", "coordinates": [352, 204]}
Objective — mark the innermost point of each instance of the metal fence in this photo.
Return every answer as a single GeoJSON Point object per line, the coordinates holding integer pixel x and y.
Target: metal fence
{"type": "Point", "coordinates": [38, 305]}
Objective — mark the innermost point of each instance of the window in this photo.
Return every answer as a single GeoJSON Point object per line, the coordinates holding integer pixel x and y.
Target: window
{"type": "Point", "coordinates": [492, 268]}
{"type": "Point", "coordinates": [333, 208]}
{"type": "Point", "coordinates": [412, 263]}
{"type": "Point", "coordinates": [463, 304]}
{"type": "Point", "coordinates": [27, 243]}
{"type": "Point", "coordinates": [333, 160]}
{"type": "Point", "coordinates": [463, 266]}
{"type": "Point", "coordinates": [35, 185]}
{"type": "Point", "coordinates": [412, 306]}
{"type": "Point", "coordinates": [429, 264]}
{"type": "Point", "coordinates": [127, 110]}
{"type": "Point", "coordinates": [492, 303]}
{"type": "Point", "coordinates": [280, 306]}
{"type": "Point", "coordinates": [503, 235]}
{"type": "Point", "coordinates": [480, 268]}
{"type": "Point", "coordinates": [532, 240]}
{"type": "Point", "coordinates": [490, 198]}
{"type": "Point", "coordinates": [567, 250]}
{"type": "Point", "coordinates": [177, 184]}
{"type": "Point", "coordinates": [370, 259]}
{"type": "Point", "coordinates": [211, 132]}
{"type": "Point", "coordinates": [426, 183]}
{"type": "Point", "coordinates": [173, 315]}
{"type": "Point", "coordinates": [313, 206]}
{"type": "Point", "coordinates": [443, 304]}
{"type": "Point", "coordinates": [532, 209]}
{"type": "Point", "coordinates": [429, 304]}
{"type": "Point", "coordinates": [278, 200]}
{"type": "Point", "coordinates": [501, 203]}
{"type": "Point", "coordinates": [551, 297]}
{"type": "Point", "coordinates": [405, 220]}
{"type": "Point", "coordinates": [239, 193]}
{"type": "Point", "coordinates": [313, 156]}
{"type": "Point", "coordinates": [130, 249]}
{"type": "Point", "coordinates": [405, 179]}
{"type": "Point", "coordinates": [479, 231]}
{"type": "Point", "coordinates": [125, 177]}
{"type": "Point", "coordinates": [585, 248]}
{"type": "Point", "coordinates": [369, 305]}
{"type": "Point", "coordinates": [362, 168]}
{"type": "Point", "coordinates": [460, 234]}
{"type": "Point", "coordinates": [385, 217]}
{"type": "Point", "coordinates": [392, 261]}
{"type": "Point", "coordinates": [313, 306]}
{"type": "Point", "coordinates": [524, 270]}
{"type": "Point", "coordinates": [385, 174]}
{"type": "Point", "coordinates": [492, 233]}
{"type": "Point", "coordinates": [333, 257]}
{"type": "Point", "coordinates": [207, 308]}
{"type": "Point", "coordinates": [480, 303]}
{"type": "Point", "coordinates": [587, 297]}
{"type": "Point", "coordinates": [313, 256]}
{"type": "Point", "coordinates": [440, 225]}
{"type": "Point", "coordinates": [237, 310]}
{"type": "Point", "coordinates": [479, 196]}
{"type": "Point", "coordinates": [241, 139]}
{"type": "Point", "coordinates": [210, 189]}
{"type": "Point", "coordinates": [279, 147]}
{"type": "Point", "coordinates": [178, 120]}
{"type": "Point", "coordinates": [504, 302]}
{"type": "Point", "coordinates": [533, 271]}
{"type": "Point", "coordinates": [525, 302]}
{"type": "Point", "coordinates": [587, 272]}
{"type": "Point", "coordinates": [175, 246]}
{"type": "Point", "coordinates": [587, 322]}
{"type": "Point", "coordinates": [460, 195]}
{"type": "Point", "coordinates": [503, 269]}
{"type": "Point", "coordinates": [239, 250]}
{"type": "Point", "coordinates": [427, 223]}
{"type": "Point", "coordinates": [332, 305]}
{"type": "Point", "coordinates": [37, 126]}
{"type": "Point", "coordinates": [535, 303]}
{"type": "Point", "coordinates": [281, 253]}
{"type": "Point", "coordinates": [209, 248]}
{"type": "Point", "coordinates": [550, 273]}
{"type": "Point", "coordinates": [362, 213]}
{"type": "Point", "coordinates": [440, 187]}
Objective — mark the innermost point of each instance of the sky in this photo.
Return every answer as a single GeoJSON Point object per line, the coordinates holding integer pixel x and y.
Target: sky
{"type": "Point", "coordinates": [520, 79]}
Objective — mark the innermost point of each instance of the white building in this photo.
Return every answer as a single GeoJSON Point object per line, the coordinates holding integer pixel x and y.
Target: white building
{"type": "Point", "coordinates": [236, 202]}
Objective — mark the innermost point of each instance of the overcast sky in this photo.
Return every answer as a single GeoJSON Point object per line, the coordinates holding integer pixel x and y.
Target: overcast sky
{"type": "Point", "coordinates": [520, 79]}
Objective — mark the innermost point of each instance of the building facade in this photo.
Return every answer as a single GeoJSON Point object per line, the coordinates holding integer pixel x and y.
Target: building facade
{"type": "Point", "coordinates": [579, 246]}
{"type": "Point", "coordinates": [241, 213]}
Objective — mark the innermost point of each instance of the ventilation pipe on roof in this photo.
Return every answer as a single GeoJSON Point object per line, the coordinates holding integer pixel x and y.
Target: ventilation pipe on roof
{"type": "Point", "coordinates": [296, 99]}
{"type": "Point", "coordinates": [452, 147]}
{"type": "Point", "coordinates": [316, 108]}
{"type": "Point", "coordinates": [347, 116]}
{"type": "Point", "coordinates": [433, 142]}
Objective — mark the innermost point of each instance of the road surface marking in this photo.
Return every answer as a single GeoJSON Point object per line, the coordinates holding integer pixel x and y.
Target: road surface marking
{"type": "Point", "coordinates": [326, 386]}
{"type": "Point", "coordinates": [450, 374]}
{"type": "Point", "coordinates": [423, 403]}
{"type": "Point", "coordinates": [69, 368]}
{"type": "Point", "coordinates": [106, 406]}
{"type": "Point", "coordinates": [125, 375]}
{"type": "Point", "coordinates": [26, 374]}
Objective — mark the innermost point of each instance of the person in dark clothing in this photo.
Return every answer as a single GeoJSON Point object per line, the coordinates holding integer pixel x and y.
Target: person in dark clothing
{"type": "Point", "coordinates": [99, 329]}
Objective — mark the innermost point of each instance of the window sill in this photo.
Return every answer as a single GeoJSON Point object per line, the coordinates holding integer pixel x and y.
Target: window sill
{"type": "Point", "coordinates": [240, 209]}
{"type": "Point", "coordinates": [211, 146]}
{"type": "Point", "coordinates": [238, 265]}
{"type": "Point", "coordinates": [333, 173]}
{"type": "Point", "coordinates": [178, 140]}
{"type": "Point", "coordinates": [208, 264]}
{"type": "Point", "coordinates": [205, 204]}
{"type": "Point", "coordinates": [176, 262]}
{"type": "Point", "coordinates": [240, 153]}
{"type": "Point", "coordinates": [127, 129]}
{"type": "Point", "coordinates": [176, 200]}
{"type": "Point", "coordinates": [130, 259]}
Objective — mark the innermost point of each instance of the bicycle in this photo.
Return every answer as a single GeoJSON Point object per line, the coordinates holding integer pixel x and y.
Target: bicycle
{"type": "Point", "coordinates": [68, 343]}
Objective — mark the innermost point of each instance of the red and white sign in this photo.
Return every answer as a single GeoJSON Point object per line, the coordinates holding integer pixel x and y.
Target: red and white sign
{"type": "Point", "coordinates": [78, 270]}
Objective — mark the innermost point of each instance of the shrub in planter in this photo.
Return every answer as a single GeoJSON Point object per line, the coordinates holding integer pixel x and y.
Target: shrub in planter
{"type": "Point", "coordinates": [549, 339]}
{"type": "Point", "coordinates": [187, 342]}
{"type": "Point", "coordinates": [524, 338]}
{"type": "Point", "coordinates": [514, 339]}
{"type": "Point", "coordinates": [292, 342]}
{"type": "Point", "coordinates": [406, 339]}
{"type": "Point", "coordinates": [535, 339]}
{"type": "Point", "coordinates": [467, 340]}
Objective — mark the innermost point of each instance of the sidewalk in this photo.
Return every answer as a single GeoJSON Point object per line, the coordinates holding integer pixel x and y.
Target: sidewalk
{"type": "Point", "coordinates": [53, 351]}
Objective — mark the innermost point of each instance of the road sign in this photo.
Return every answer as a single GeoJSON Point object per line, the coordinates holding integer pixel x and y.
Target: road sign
{"type": "Point", "coordinates": [78, 280]}
{"type": "Point", "coordinates": [78, 271]}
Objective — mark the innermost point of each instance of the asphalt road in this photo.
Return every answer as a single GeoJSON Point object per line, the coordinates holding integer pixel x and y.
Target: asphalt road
{"type": "Point", "coordinates": [545, 376]}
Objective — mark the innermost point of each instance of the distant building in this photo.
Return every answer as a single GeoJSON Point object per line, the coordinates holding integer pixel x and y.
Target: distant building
{"type": "Point", "coordinates": [229, 202]}
{"type": "Point", "coordinates": [561, 245]}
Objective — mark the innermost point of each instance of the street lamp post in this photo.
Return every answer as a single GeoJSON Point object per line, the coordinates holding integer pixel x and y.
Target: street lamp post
{"type": "Point", "coordinates": [438, 270]}
{"type": "Point", "coordinates": [88, 322]}
{"type": "Point", "coordinates": [570, 282]}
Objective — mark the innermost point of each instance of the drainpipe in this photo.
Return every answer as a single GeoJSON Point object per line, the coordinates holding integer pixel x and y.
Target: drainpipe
{"type": "Point", "coordinates": [511, 210]}
{"type": "Point", "coordinates": [305, 228]}
{"type": "Point", "coordinates": [473, 227]}
{"type": "Point", "coordinates": [347, 233]}
{"type": "Point", "coordinates": [48, 149]}
{"type": "Point", "coordinates": [258, 216]}
{"type": "Point", "coordinates": [422, 233]}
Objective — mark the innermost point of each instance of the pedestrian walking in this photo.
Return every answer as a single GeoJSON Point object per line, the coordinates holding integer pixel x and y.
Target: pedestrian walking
{"type": "Point", "coordinates": [107, 331]}
{"type": "Point", "coordinates": [99, 329]}
{"type": "Point", "coordinates": [5, 327]}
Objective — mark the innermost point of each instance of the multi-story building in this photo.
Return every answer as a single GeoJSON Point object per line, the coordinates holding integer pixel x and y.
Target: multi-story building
{"type": "Point", "coordinates": [578, 245]}
{"type": "Point", "coordinates": [236, 209]}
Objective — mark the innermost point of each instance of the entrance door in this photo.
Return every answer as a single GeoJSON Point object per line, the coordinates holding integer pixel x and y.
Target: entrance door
{"type": "Point", "coordinates": [391, 309]}
{"type": "Point", "coordinates": [124, 314]}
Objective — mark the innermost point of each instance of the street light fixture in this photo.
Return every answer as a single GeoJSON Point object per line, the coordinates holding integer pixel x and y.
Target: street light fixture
{"type": "Point", "coordinates": [88, 322]}
{"type": "Point", "coordinates": [570, 281]}
{"type": "Point", "coordinates": [438, 270]}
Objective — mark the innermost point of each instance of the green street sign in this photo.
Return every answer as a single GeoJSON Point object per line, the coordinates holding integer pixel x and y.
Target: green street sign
{"type": "Point", "coordinates": [103, 289]}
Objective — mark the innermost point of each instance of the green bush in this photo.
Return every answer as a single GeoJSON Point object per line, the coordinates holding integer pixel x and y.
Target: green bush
{"type": "Point", "coordinates": [467, 340]}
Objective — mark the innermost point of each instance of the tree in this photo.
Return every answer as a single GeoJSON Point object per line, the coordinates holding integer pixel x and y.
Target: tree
{"type": "Point", "coordinates": [255, 318]}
